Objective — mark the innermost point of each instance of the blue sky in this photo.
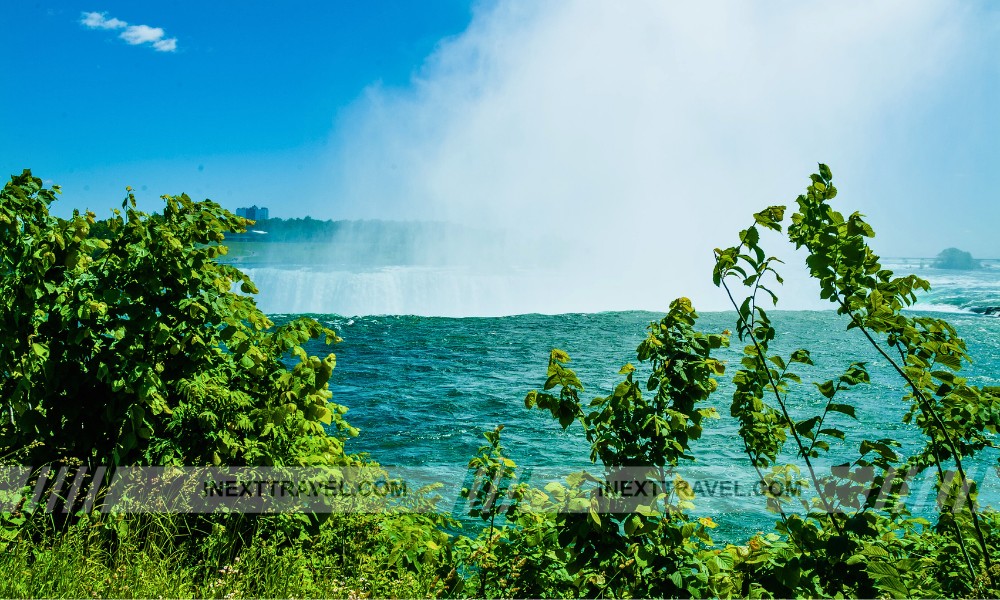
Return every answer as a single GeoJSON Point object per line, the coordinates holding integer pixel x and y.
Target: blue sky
{"type": "Point", "coordinates": [591, 119]}
{"type": "Point", "coordinates": [251, 81]}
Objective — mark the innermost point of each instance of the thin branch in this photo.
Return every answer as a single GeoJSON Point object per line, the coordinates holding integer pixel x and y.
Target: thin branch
{"type": "Point", "coordinates": [928, 410]}
{"type": "Point", "coordinates": [784, 412]}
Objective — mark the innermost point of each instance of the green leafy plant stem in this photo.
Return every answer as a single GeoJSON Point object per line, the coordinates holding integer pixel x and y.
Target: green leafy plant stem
{"type": "Point", "coordinates": [748, 328]}
{"type": "Point", "coordinates": [929, 411]}
{"type": "Point", "coordinates": [749, 451]}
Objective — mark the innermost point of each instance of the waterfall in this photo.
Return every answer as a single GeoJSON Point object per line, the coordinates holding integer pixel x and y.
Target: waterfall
{"type": "Point", "coordinates": [437, 291]}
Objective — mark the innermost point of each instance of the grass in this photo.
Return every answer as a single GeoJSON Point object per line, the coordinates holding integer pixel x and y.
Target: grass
{"type": "Point", "coordinates": [151, 557]}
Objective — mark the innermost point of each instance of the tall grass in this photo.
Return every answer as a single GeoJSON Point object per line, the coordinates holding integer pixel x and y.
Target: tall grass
{"type": "Point", "coordinates": [172, 556]}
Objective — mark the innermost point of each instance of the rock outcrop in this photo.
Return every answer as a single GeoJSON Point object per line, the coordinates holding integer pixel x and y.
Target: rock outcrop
{"type": "Point", "coordinates": [953, 258]}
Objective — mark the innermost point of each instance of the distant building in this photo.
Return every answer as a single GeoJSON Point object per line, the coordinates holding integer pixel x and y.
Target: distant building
{"type": "Point", "coordinates": [254, 213]}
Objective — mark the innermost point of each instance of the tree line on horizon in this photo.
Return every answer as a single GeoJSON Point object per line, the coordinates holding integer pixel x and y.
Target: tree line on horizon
{"type": "Point", "coordinates": [307, 229]}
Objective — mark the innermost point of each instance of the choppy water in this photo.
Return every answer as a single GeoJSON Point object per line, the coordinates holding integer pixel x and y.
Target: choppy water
{"type": "Point", "coordinates": [423, 389]}
{"type": "Point", "coordinates": [955, 291]}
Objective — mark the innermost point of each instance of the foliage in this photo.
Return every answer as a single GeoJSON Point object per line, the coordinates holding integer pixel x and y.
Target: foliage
{"type": "Point", "coordinates": [132, 348]}
{"type": "Point", "coordinates": [160, 558]}
{"type": "Point", "coordinates": [858, 504]}
{"type": "Point", "coordinates": [854, 535]}
{"type": "Point", "coordinates": [643, 544]}
{"type": "Point", "coordinates": [957, 419]}
{"type": "Point", "coordinates": [496, 557]}
{"type": "Point", "coordinates": [125, 344]}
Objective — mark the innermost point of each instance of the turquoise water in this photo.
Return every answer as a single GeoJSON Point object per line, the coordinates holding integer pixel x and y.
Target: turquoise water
{"type": "Point", "coordinates": [423, 389]}
{"type": "Point", "coordinates": [955, 291]}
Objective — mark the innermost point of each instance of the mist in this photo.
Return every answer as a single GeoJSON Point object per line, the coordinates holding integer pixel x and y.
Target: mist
{"type": "Point", "coordinates": [615, 145]}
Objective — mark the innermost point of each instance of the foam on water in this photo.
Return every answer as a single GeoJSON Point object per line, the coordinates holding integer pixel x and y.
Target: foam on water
{"type": "Point", "coordinates": [941, 308]}
{"type": "Point", "coordinates": [951, 290]}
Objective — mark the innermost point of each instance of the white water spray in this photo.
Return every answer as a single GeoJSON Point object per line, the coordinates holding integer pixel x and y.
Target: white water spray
{"type": "Point", "coordinates": [626, 141]}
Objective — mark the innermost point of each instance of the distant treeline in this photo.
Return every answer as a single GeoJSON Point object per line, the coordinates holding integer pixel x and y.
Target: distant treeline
{"type": "Point", "coordinates": [362, 243]}
{"type": "Point", "coordinates": [371, 243]}
{"type": "Point", "coordinates": [314, 230]}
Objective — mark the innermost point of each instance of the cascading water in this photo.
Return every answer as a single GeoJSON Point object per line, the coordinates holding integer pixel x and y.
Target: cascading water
{"type": "Point", "coordinates": [480, 287]}
{"type": "Point", "coordinates": [439, 291]}
{"type": "Point", "coordinates": [488, 289]}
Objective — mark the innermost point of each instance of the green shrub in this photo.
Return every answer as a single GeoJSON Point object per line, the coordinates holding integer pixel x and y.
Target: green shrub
{"type": "Point", "coordinates": [854, 537]}
{"type": "Point", "coordinates": [131, 347]}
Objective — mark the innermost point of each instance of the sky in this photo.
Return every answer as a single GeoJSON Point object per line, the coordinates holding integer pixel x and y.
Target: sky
{"type": "Point", "coordinates": [238, 106]}
{"type": "Point", "coordinates": [622, 129]}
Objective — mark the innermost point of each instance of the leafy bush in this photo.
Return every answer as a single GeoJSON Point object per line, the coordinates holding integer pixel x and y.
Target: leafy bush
{"type": "Point", "coordinates": [131, 347]}
{"type": "Point", "coordinates": [855, 537]}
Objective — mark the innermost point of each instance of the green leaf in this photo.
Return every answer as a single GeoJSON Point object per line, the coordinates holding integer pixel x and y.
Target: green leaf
{"type": "Point", "coordinates": [887, 579]}
{"type": "Point", "coordinates": [677, 579]}
{"type": "Point", "coordinates": [826, 388]}
{"type": "Point", "coordinates": [950, 361]}
{"type": "Point", "coordinates": [846, 409]}
{"type": "Point", "coordinates": [832, 432]}
{"type": "Point", "coordinates": [806, 426]}
{"type": "Point", "coordinates": [551, 382]}
{"type": "Point", "coordinates": [801, 356]}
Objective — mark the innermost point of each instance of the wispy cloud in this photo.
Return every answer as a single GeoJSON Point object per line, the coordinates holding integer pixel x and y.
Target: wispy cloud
{"type": "Point", "coordinates": [96, 20]}
{"type": "Point", "coordinates": [168, 45]}
{"type": "Point", "coordinates": [134, 35]}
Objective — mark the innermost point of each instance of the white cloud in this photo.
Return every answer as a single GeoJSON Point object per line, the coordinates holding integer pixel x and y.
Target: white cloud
{"type": "Point", "coordinates": [168, 45]}
{"type": "Point", "coordinates": [96, 20]}
{"type": "Point", "coordinates": [132, 34]}
{"type": "Point", "coordinates": [642, 133]}
{"type": "Point", "coordinates": [142, 34]}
